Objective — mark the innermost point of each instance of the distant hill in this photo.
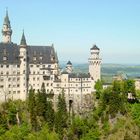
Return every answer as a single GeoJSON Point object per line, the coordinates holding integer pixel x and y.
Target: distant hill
{"type": "Point", "coordinates": [108, 70]}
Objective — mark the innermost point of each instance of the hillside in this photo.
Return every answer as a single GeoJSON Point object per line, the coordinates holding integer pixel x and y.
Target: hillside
{"type": "Point", "coordinates": [108, 70]}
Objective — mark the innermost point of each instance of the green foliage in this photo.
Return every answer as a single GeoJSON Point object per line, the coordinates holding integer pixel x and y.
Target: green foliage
{"type": "Point", "coordinates": [135, 112]}
{"type": "Point", "coordinates": [112, 118]}
{"type": "Point", "coordinates": [138, 94]}
{"type": "Point", "coordinates": [41, 101]}
{"type": "Point", "coordinates": [16, 133]}
{"type": "Point", "coordinates": [114, 100]}
{"type": "Point", "coordinates": [130, 86]}
{"type": "Point", "coordinates": [99, 87]}
{"type": "Point", "coordinates": [61, 114]}
{"type": "Point", "coordinates": [32, 109]}
{"type": "Point", "coordinates": [50, 115]}
{"type": "Point", "coordinates": [93, 134]}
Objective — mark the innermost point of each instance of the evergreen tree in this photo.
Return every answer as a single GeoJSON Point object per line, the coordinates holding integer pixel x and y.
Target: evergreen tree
{"type": "Point", "coordinates": [131, 86]}
{"type": "Point", "coordinates": [117, 88]}
{"type": "Point", "coordinates": [32, 109]}
{"type": "Point", "coordinates": [61, 114]}
{"type": "Point", "coordinates": [42, 102]}
{"type": "Point", "coordinates": [99, 87]}
{"type": "Point", "coordinates": [50, 114]}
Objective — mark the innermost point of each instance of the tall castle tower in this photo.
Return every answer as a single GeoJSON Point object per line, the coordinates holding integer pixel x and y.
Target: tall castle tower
{"type": "Point", "coordinates": [6, 30]}
{"type": "Point", "coordinates": [95, 63]}
{"type": "Point", "coordinates": [23, 68]}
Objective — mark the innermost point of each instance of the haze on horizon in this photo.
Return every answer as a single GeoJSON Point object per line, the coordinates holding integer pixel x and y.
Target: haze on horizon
{"type": "Point", "coordinates": [74, 26]}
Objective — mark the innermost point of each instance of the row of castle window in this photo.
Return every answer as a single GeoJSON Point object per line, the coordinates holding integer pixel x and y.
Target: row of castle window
{"type": "Point", "coordinates": [77, 90]}
{"type": "Point", "coordinates": [14, 72]}
{"type": "Point", "coordinates": [11, 86]}
{"type": "Point", "coordinates": [14, 92]}
{"type": "Point", "coordinates": [7, 66]}
{"type": "Point", "coordinates": [11, 79]}
{"type": "Point", "coordinates": [7, 73]}
{"type": "Point", "coordinates": [43, 66]}
{"type": "Point", "coordinates": [79, 79]}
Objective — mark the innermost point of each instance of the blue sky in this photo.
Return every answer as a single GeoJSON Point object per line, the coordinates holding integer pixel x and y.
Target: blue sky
{"type": "Point", "coordinates": [73, 26]}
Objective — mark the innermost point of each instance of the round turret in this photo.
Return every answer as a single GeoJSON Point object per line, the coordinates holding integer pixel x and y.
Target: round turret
{"type": "Point", "coordinates": [69, 67]}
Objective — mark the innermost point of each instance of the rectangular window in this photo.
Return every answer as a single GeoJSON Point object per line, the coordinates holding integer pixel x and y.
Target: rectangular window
{"type": "Point", "coordinates": [1, 86]}
{"type": "Point", "coordinates": [4, 58]}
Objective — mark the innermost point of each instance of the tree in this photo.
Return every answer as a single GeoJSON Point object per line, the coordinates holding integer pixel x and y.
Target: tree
{"type": "Point", "coordinates": [99, 87]}
{"type": "Point", "coordinates": [50, 114]}
{"type": "Point", "coordinates": [61, 114]}
{"type": "Point", "coordinates": [32, 109]}
{"type": "Point", "coordinates": [42, 102]}
{"type": "Point", "coordinates": [131, 86]}
{"type": "Point", "coordinates": [117, 86]}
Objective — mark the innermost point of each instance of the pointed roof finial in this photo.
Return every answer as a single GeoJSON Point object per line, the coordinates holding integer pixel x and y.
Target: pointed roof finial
{"type": "Point", "coordinates": [23, 40]}
{"type": "Point", "coordinates": [6, 19]}
{"type": "Point", "coordinates": [6, 11]}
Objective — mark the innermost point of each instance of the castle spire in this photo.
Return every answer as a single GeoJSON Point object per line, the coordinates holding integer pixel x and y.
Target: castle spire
{"type": "Point", "coordinates": [6, 30]}
{"type": "Point", "coordinates": [23, 40]}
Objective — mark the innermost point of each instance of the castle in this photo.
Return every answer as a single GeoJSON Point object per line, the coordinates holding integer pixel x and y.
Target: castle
{"type": "Point", "coordinates": [24, 66]}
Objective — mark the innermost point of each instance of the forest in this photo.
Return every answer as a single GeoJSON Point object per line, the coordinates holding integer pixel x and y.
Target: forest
{"type": "Point", "coordinates": [112, 117]}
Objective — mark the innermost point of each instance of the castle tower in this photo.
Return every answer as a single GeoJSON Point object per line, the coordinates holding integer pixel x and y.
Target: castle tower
{"type": "Point", "coordinates": [6, 30]}
{"type": "Point", "coordinates": [95, 63]}
{"type": "Point", "coordinates": [23, 68]}
{"type": "Point", "coordinates": [69, 68]}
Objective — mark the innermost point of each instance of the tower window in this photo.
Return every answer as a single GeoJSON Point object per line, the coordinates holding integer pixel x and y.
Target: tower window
{"type": "Point", "coordinates": [4, 58]}
{"type": "Point", "coordinates": [34, 58]}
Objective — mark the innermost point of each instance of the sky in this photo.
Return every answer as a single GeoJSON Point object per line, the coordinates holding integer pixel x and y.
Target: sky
{"type": "Point", "coordinates": [74, 26]}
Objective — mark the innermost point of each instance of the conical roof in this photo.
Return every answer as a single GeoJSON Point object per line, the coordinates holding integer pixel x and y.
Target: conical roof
{"type": "Point", "coordinates": [23, 40]}
{"type": "Point", "coordinates": [6, 20]}
{"type": "Point", "coordinates": [69, 63]}
{"type": "Point", "coordinates": [94, 47]}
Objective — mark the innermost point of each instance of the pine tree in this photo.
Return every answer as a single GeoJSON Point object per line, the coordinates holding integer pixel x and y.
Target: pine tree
{"type": "Point", "coordinates": [61, 114]}
{"type": "Point", "coordinates": [32, 109]}
{"type": "Point", "coordinates": [99, 87]}
{"type": "Point", "coordinates": [42, 102]}
{"type": "Point", "coordinates": [50, 114]}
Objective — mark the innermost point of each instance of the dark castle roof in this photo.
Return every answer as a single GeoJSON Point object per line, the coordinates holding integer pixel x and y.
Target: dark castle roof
{"type": "Point", "coordinates": [10, 52]}
{"type": "Point", "coordinates": [94, 48]}
{"type": "Point", "coordinates": [6, 20]}
{"type": "Point", "coordinates": [23, 40]}
{"type": "Point", "coordinates": [69, 63]}
{"type": "Point", "coordinates": [79, 75]}
{"type": "Point", "coordinates": [36, 54]}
